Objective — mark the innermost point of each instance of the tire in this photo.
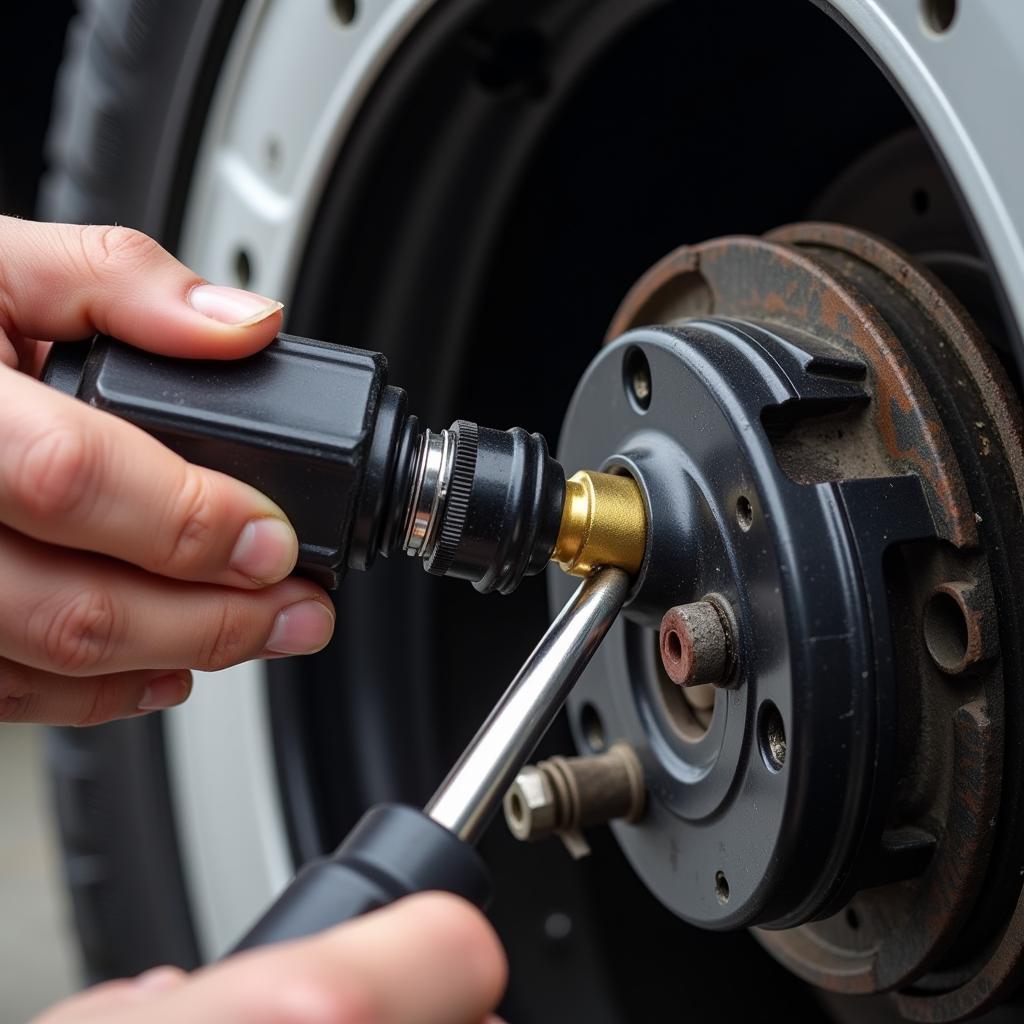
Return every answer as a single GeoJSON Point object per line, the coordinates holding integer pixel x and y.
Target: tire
{"type": "Point", "coordinates": [192, 819]}
{"type": "Point", "coordinates": [26, 93]}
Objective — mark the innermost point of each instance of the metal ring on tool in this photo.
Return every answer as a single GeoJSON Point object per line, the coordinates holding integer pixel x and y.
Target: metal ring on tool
{"type": "Point", "coordinates": [429, 491]}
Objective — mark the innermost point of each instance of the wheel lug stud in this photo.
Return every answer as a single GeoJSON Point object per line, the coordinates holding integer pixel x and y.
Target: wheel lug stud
{"type": "Point", "coordinates": [562, 795]}
{"type": "Point", "coordinates": [696, 646]}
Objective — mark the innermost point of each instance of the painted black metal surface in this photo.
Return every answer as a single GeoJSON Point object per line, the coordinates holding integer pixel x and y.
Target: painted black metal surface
{"type": "Point", "coordinates": [726, 841]}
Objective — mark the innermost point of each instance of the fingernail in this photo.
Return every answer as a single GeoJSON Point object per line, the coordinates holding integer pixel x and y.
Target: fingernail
{"type": "Point", "coordinates": [301, 628]}
{"type": "Point", "coordinates": [159, 979]}
{"type": "Point", "coordinates": [166, 691]}
{"type": "Point", "coordinates": [266, 550]}
{"type": "Point", "coordinates": [231, 305]}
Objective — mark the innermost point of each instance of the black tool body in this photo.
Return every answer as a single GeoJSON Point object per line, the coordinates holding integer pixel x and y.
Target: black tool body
{"type": "Point", "coordinates": [318, 429]}
{"type": "Point", "coordinates": [315, 427]}
{"type": "Point", "coordinates": [393, 851]}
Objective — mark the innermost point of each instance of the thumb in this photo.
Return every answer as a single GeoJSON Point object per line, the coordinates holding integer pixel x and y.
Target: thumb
{"type": "Point", "coordinates": [428, 959]}
{"type": "Point", "coordinates": [62, 282]}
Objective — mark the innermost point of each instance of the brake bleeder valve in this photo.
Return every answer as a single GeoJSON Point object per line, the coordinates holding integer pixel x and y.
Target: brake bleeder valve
{"type": "Point", "coordinates": [318, 429]}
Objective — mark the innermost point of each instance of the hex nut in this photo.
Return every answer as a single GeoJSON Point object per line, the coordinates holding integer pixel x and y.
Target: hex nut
{"type": "Point", "coordinates": [530, 805]}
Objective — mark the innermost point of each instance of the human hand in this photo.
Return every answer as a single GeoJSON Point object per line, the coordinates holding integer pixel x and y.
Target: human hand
{"type": "Point", "coordinates": [124, 565]}
{"type": "Point", "coordinates": [429, 959]}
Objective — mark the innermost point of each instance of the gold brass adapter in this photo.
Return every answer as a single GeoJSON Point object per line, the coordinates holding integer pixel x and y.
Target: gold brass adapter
{"type": "Point", "coordinates": [603, 523]}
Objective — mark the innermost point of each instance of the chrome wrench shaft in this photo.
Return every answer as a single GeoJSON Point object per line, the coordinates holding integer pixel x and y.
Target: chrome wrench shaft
{"type": "Point", "coordinates": [466, 800]}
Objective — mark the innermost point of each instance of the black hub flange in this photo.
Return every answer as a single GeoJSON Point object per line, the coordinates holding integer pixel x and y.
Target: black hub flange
{"type": "Point", "coordinates": [800, 571]}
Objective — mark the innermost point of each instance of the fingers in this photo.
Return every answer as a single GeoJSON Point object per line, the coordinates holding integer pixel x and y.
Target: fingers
{"type": "Point", "coordinates": [64, 282]}
{"type": "Point", "coordinates": [429, 959]}
{"type": "Point", "coordinates": [74, 476]}
{"type": "Point", "coordinates": [101, 1002]}
{"type": "Point", "coordinates": [32, 695]}
{"type": "Point", "coordinates": [84, 615]}
{"type": "Point", "coordinates": [90, 1005]}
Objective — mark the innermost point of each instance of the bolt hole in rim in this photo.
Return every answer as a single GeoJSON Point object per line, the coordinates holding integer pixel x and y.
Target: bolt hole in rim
{"type": "Point", "coordinates": [345, 10]}
{"type": "Point", "coordinates": [945, 631]}
{"type": "Point", "coordinates": [274, 154]}
{"type": "Point", "coordinates": [243, 268]}
{"type": "Point", "coordinates": [637, 378]}
{"type": "Point", "coordinates": [939, 15]}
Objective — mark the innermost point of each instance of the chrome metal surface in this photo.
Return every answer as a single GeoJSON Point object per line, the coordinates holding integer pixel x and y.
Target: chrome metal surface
{"type": "Point", "coordinates": [428, 492]}
{"type": "Point", "coordinates": [476, 785]}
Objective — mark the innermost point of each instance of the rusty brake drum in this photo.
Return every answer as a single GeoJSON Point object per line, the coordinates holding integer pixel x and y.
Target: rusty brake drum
{"type": "Point", "coordinates": [832, 456]}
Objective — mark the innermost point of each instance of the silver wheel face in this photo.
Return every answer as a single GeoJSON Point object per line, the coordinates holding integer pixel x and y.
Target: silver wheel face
{"type": "Point", "coordinates": [962, 84]}
{"type": "Point", "coordinates": [292, 84]}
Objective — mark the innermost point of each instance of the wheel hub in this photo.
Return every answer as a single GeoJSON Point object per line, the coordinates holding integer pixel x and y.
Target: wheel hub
{"type": "Point", "coordinates": [831, 458]}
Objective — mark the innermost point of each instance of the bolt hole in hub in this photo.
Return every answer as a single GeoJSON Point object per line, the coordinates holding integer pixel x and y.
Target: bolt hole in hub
{"type": "Point", "coordinates": [592, 728]}
{"type": "Point", "coordinates": [721, 888]}
{"type": "Point", "coordinates": [795, 716]}
{"type": "Point", "coordinates": [772, 736]}
{"type": "Point", "coordinates": [637, 377]}
{"type": "Point", "coordinates": [744, 513]}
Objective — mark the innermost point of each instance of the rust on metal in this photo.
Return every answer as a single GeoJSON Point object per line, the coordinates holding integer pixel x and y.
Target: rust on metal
{"type": "Point", "coordinates": [772, 281]}
{"type": "Point", "coordinates": [959, 625]}
{"type": "Point", "coordinates": [920, 918]}
{"type": "Point", "coordinates": [968, 349]}
{"type": "Point", "coordinates": [695, 644]}
{"type": "Point", "coordinates": [1001, 973]}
